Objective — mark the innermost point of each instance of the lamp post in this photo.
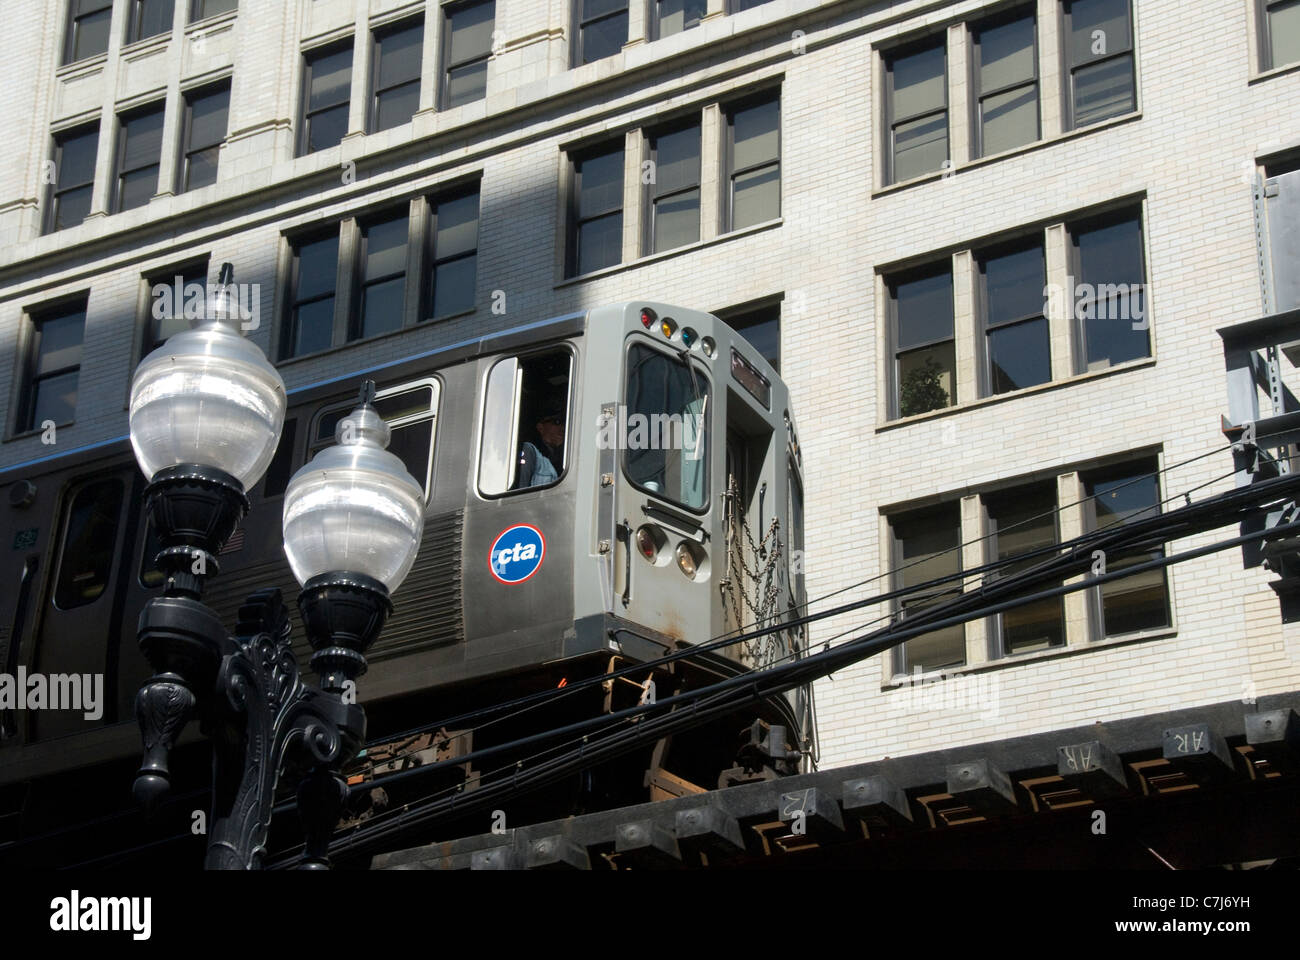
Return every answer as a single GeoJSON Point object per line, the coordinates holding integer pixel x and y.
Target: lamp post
{"type": "Point", "coordinates": [206, 413]}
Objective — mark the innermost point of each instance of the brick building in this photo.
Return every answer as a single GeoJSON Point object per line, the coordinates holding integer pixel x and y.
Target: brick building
{"type": "Point", "coordinates": [881, 193]}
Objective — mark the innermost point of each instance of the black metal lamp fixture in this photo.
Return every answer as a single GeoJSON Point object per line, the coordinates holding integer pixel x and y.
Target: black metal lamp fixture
{"type": "Point", "coordinates": [206, 413]}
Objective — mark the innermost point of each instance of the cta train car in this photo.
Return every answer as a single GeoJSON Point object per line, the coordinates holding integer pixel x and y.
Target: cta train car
{"type": "Point", "coordinates": [601, 489]}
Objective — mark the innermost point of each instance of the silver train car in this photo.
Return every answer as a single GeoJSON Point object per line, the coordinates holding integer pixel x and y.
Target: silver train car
{"type": "Point", "coordinates": [601, 488]}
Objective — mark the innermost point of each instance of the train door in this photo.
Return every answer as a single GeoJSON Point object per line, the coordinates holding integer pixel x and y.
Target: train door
{"type": "Point", "coordinates": [668, 492]}
{"type": "Point", "coordinates": [79, 631]}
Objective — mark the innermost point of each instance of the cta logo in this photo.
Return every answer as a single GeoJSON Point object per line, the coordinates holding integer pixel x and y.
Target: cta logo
{"type": "Point", "coordinates": [517, 553]}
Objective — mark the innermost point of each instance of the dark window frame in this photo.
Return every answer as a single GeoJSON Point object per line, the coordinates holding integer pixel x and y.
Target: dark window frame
{"type": "Point", "coordinates": [289, 326]}
{"type": "Point", "coordinates": [892, 281]}
{"type": "Point", "coordinates": [576, 158]}
{"type": "Point", "coordinates": [33, 320]}
{"type": "Point", "coordinates": [445, 63]}
{"type": "Point", "coordinates": [1132, 468]}
{"type": "Point", "coordinates": [135, 19]}
{"type": "Point", "coordinates": [985, 324]}
{"type": "Point", "coordinates": [655, 18]}
{"type": "Point", "coordinates": [979, 95]}
{"type": "Point", "coordinates": [187, 148]}
{"type": "Point", "coordinates": [897, 562]}
{"type": "Point", "coordinates": [1078, 328]}
{"type": "Point", "coordinates": [361, 282]}
{"type": "Point", "coordinates": [580, 26]}
{"type": "Point", "coordinates": [149, 340]}
{"type": "Point", "coordinates": [433, 260]}
{"type": "Point", "coordinates": [376, 48]}
{"type": "Point", "coordinates": [1071, 68]}
{"type": "Point", "coordinates": [892, 121]}
{"type": "Point", "coordinates": [305, 114]}
{"type": "Point", "coordinates": [649, 195]}
{"type": "Point", "coordinates": [74, 16]}
{"type": "Point", "coordinates": [120, 170]}
{"type": "Point", "coordinates": [1265, 33]}
{"type": "Point", "coordinates": [57, 190]}
{"type": "Point", "coordinates": [730, 173]}
{"type": "Point", "coordinates": [197, 8]}
{"type": "Point", "coordinates": [753, 312]}
{"type": "Point", "coordinates": [996, 633]}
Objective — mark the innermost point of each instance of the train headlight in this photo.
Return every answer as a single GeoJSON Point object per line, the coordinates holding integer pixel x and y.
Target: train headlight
{"type": "Point", "coordinates": [685, 562]}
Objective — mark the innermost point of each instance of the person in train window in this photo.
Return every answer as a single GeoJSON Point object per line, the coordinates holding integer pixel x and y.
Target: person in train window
{"type": "Point", "coordinates": [540, 465]}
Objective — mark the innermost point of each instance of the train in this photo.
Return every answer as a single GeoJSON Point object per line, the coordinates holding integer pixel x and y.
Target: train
{"type": "Point", "coordinates": [601, 489]}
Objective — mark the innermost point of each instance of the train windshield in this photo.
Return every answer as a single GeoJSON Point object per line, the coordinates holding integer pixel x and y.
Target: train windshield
{"type": "Point", "coordinates": [666, 443]}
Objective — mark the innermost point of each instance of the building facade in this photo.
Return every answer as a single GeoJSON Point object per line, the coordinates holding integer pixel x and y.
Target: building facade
{"type": "Point", "coordinates": [989, 245]}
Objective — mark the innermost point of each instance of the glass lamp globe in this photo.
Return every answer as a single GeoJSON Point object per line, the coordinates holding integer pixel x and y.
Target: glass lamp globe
{"type": "Point", "coordinates": [209, 397]}
{"type": "Point", "coordinates": [354, 508]}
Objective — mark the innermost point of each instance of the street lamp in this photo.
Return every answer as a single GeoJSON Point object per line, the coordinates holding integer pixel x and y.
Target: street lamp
{"type": "Point", "coordinates": [206, 413]}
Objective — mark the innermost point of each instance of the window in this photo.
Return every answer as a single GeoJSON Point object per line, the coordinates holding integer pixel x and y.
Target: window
{"type": "Point", "coordinates": [1099, 54]}
{"type": "Point", "coordinates": [74, 165]}
{"type": "Point", "coordinates": [311, 302]}
{"type": "Point", "coordinates": [206, 117]}
{"type": "Point", "coordinates": [753, 162]}
{"type": "Point", "coordinates": [383, 276]}
{"type": "Point", "coordinates": [916, 91]}
{"type": "Point", "coordinates": [1283, 199]}
{"type": "Point", "coordinates": [525, 423]}
{"type": "Point", "coordinates": [1019, 522]}
{"type": "Point", "coordinates": [176, 297]}
{"type": "Point", "coordinates": [761, 326]}
{"type": "Point", "coordinates": [673, 193]}
{"type": "Point", "coordinates": [327, 89]}
{"type": "Point", "coordinates": [54, 367]}
{"type": "Point", "coordinates": [602, 30]}
{"type": "Point", "coordinates": [409, 409]}
{"type": "Point", "coordinates": [1006, 82]}
{"type": "Point", "coordinates": [454, 255]}
{"type": "Point", "coordinates": [149, 18]}
{"type": "Point", "coordinates": [89, 543]}
{"type": "Point", "coordinates": [1109, 300]}
{"type": "Point", "coordinates": [927, 546]}
{"type": "Point", "coordinates": [1140, 602]}
{"type": "Point", "coordinates": [670, 401]}
{"type": "Point", "coordinates": [737, 6]}
{"type": "Point", "coordinates": [139, 152]}
{"type": "Point", "coordinates": [1281, 36]}
{"type": "Point", "coordinates": [674, 16]}
{"type": "Point", "coordinates": [400, 266]}
{"type": "Point", "coordinates": [395, 84]}
{"type": "Point", "coordinates": [202, 9]}
{"type": "Point", "coordinates": [88, 25]}
{"type": "Point", "coordinates": [1017, 350]}
{"type": "Point", "coordinates": [596, 232]}
{"type": "Point", "coordinates": [925, 358]}
{"type": "Point", "coordinates": [466, 47]}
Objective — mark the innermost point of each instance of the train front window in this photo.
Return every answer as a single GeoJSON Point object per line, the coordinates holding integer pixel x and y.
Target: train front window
{"type": "Point", "coordinates": [666, 448]}
{"type": "Point", "coordinates": [525, 423]}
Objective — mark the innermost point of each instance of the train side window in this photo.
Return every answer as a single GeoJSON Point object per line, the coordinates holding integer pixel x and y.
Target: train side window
{"type": "Point", "coordinates": [411, 411]}
{"type": "Point", "coordinates": [666, 449]}
{"type": "Point", "coordinates": [525, 423]}
{"type": "Point", "coordinates": [89, 541]}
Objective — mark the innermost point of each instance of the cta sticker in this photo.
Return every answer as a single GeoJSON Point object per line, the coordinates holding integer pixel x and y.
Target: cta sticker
{"type": "Point", "coordinates": [517, 553]}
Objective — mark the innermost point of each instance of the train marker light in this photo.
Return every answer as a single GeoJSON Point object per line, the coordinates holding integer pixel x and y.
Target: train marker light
{"type": "Point", "coordinates": [647, 317]}
{"type": "Point", "coordinates": [668, 327]}
{"type": "Point", "coordinates": [688, 337]}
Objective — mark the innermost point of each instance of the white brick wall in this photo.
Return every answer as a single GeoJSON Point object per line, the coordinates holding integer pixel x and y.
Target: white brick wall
{"type": "Point", "coordinates": [1204, 113]}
